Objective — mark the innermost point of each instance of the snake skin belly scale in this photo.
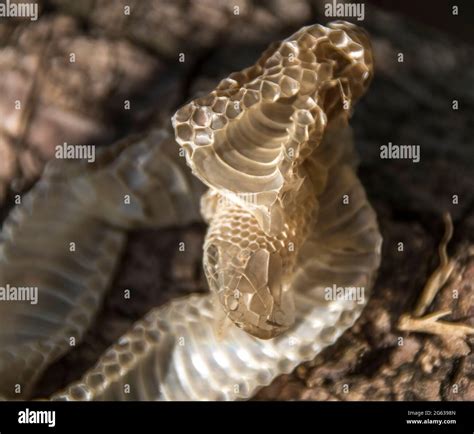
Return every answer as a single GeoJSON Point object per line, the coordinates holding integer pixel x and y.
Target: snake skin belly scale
{"type": "Point", "coordinates": [288, 218]}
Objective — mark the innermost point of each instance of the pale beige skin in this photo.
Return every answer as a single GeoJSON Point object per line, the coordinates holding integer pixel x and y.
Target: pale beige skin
{"type": "Point", "coordinates": [269, 260]}
{"type": "Point", "coordinates": [252, 141]}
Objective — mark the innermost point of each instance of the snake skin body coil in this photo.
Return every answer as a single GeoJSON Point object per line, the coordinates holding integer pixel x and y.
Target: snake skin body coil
{"type": "Point", "coordinates": [288, 218]}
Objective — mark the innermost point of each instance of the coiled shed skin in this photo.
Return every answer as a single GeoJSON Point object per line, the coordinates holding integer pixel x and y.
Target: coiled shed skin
{"type": "Point", "coordinates": [287, 215]}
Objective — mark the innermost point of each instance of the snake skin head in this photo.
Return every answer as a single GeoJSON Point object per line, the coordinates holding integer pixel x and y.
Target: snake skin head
{"type": "Point", "coordinates": [250, 287]}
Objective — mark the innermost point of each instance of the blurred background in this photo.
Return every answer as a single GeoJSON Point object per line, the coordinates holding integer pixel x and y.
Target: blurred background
{"type": "Point", "coordinates": [95, 71]}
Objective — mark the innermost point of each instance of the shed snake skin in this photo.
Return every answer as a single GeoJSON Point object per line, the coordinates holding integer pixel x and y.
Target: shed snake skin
{"type": "Point", "coordinates": [288, 218]}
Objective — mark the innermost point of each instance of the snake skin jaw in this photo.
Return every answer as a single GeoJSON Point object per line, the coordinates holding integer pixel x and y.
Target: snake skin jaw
{"type": "Point", "coordinates": [248, 141]}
